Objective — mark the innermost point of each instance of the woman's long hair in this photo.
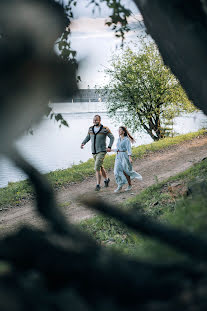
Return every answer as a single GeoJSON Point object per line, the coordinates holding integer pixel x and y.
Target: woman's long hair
{"type": "Point", "coordinates": [126, 133]}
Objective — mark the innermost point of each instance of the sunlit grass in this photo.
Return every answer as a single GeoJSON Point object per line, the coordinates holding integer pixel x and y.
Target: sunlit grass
{"type": "Point", "coordinates": [185, 212]}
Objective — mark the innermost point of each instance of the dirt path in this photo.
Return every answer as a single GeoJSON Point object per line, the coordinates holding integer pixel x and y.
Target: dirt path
{"type": "Point", "coordinates": [154, 166]}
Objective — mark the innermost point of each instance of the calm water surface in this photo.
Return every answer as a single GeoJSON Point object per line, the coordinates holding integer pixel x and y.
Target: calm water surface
{"type": "Point", "coordinates": [52, 148]}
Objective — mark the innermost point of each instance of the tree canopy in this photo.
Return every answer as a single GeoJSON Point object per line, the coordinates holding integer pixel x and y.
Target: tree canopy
{"type": "Point", "coordinates": [142, 91]}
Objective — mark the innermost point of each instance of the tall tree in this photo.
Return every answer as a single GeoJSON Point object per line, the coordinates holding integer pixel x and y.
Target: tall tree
{"type": "Point", "coordinates": [142, 91]}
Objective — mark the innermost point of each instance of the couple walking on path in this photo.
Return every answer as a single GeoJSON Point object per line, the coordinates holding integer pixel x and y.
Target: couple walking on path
{"type": "Point", "coordinates": [123, 171]}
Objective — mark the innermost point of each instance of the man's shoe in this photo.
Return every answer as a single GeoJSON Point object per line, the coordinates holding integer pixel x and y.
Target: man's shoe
{"type": "Point", "coordinates": [97, 188]}
{"type": "Point", "coordinates": [118, 189]}
{"type": "Point", "coordinates": [106, 182]}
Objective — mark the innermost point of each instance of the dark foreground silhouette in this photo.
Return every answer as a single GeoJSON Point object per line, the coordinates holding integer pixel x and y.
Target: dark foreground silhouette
{"type": "Point", "coordinates": [62, 268]}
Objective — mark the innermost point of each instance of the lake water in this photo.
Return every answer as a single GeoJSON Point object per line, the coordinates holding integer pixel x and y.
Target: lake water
{"type": "Point", "coordinates": [51, 148]}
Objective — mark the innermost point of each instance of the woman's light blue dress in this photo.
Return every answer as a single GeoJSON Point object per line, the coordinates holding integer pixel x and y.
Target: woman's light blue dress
{"type": "Point", "coordinates": [122, 163]}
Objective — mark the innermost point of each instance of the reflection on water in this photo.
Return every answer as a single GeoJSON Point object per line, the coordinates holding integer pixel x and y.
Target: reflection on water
{"type": "Point", "coordinates": [52, 148]}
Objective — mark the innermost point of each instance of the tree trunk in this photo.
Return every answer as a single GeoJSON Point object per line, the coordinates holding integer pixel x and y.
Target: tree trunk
{"type": "Point", "coordinates": [159, 131]}
{"type": "Point", "coordinates": [148, 129]}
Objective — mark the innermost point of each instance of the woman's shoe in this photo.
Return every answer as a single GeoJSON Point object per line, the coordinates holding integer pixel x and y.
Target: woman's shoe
{"type": "Point", "coordinates": [118, 189]}
{"type": "Point", "coordinates": [128, 188]}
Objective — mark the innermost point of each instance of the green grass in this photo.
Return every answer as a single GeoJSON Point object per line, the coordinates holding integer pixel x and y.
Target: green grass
{"type": "Point", "coordinates": [15, 192]}
{"type": "Point", "coordinates": [160, 203]}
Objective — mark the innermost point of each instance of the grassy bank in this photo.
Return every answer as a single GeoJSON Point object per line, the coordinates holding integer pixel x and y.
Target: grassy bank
{"type": "Point", "coordinates": [15, 192]}
{"type": "Point", "coordinates": [179, 201]}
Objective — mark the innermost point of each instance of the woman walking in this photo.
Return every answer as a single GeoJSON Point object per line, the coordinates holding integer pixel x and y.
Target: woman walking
{"type": "Point", "coordinates": [123, 164]}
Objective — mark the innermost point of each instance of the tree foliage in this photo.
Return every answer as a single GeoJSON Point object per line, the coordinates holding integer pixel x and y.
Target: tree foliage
{"type": "Point", "coordinates": [142, 91]}
{"type": "Point", "coordinates": [117, 21]}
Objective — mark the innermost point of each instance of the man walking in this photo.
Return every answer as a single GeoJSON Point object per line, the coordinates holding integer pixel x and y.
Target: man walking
{"type": "Point", "coordinates": [97, 134]}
